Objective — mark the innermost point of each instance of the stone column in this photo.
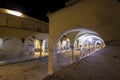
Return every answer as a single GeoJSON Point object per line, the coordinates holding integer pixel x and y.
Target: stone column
{"type": "Point", "coordinates": [41, 50]}
{"type": "Point", "coordinates": [67, 45]}
{"type": "Point", "coordinates": [22, 52]}
{"type": "Point", "coordinates": [52, 59]}
{"type": "Point", "coordinates": [51, 62]}
{"type": "Point", "coordinates": [61, 46]}
{"type": "Point", "coordinates": [72, 54]}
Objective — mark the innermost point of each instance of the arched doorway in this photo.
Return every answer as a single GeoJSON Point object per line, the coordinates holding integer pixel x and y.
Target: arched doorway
{"type": "Point", "coordinates": [74, 45]}
{"type": "Point", "coordinates": [41, 48]}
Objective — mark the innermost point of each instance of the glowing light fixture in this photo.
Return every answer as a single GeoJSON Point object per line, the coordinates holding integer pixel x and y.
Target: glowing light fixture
{"type": "Point", "coordinates": [67, 39]}
{"type": "Point", "coordinates": [90, 39]}
{"type": "Point", "coordinates": [16, 13]}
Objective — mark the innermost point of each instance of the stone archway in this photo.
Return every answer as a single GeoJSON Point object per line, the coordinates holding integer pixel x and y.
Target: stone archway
{"type": "Point", "coordinates": [87, 44]}
{"type": "Point", "coordinates": [10, 47]}
{"type": "Point", "coordinates": [38, 45]}
{"type": "Point", "coordinates": [68, 57]}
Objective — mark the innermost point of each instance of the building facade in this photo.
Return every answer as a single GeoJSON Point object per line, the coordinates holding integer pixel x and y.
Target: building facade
{"type": "Point", "coordinates": [99, 19]}
{"type": "Point", "coordinates": [21, 35]}
{"type": "Point", "coordinates": [11, 23]}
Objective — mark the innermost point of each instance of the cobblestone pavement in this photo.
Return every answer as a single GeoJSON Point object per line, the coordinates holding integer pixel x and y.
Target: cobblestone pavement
{"type": "Point", "coordinates": [102, 65]}
{"type": "Point", "coordinates": [30, 70]}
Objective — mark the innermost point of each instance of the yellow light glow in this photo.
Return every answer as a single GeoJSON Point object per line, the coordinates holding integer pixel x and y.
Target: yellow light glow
{"type": "Point", "coordinates": [68, 40]}
{"type": "Point", "coordinates": [43, 46]}
{"type": "Point", "coordinates": [37, 44]}
{"type": "Point", "coordinates": [37, 54]}
{"type": "Point", "coordinates": [16, 13]}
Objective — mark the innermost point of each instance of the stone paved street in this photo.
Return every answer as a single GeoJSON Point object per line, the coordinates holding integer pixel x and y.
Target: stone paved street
{"type": "Point", "coordinates": [29, 70]}
{"type": "Point", "coordinates": [102, 65]}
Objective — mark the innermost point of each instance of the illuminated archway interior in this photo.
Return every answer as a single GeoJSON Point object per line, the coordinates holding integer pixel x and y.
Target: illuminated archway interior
{"type": "Point", "coordinates": [41, 48]}
{"type": "Point", "coordinates": [88, 44]}
{"type": "Point", "coordinates": [77, 44]}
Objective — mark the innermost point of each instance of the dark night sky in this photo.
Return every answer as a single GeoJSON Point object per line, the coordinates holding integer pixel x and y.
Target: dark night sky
{"type": "Point", "coordinates": [34, 8]}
